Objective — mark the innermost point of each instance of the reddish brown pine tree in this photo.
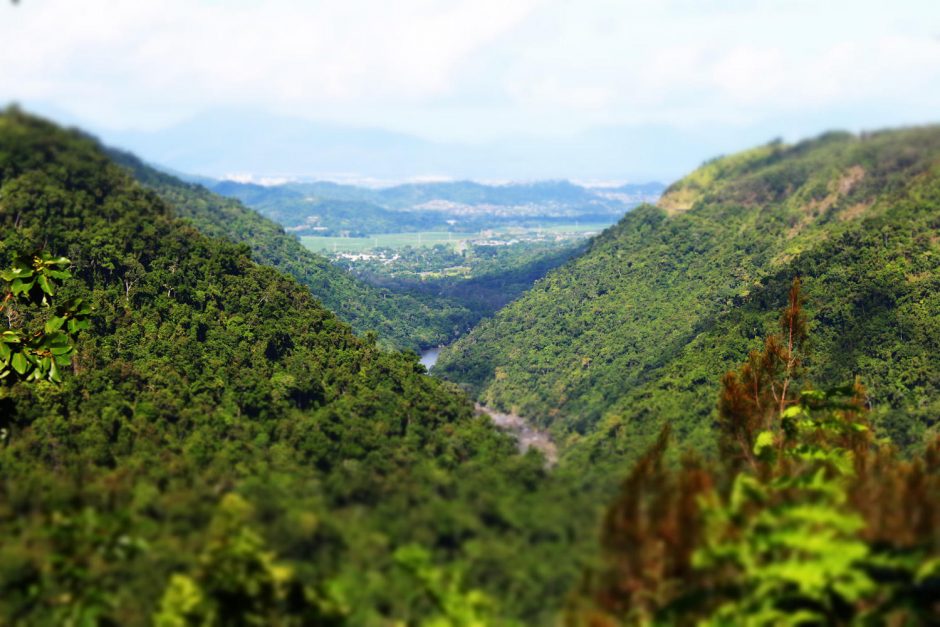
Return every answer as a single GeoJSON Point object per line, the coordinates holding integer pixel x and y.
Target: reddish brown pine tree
{"type": "Point", "coordinates": [648, 537]}
{"type": "Point", "coordinates": [752, 398]}
{"type": "Point", "coordinates": [654, 527]}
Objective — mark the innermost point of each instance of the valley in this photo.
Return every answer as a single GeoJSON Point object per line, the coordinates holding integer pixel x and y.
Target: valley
{"type": "Point", "coordinates": [469, 313]}
{"type": "Point", "coordinates": [526, 435]}
{"type": "Point", "coordinates": [354, 429]}
{"type": "Point", "coordinates": [489, 243]}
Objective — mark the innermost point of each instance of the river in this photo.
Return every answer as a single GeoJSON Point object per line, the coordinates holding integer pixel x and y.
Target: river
{"type": "Point", "coordinates": [429, 357]}
{"type": "Point", "coordinates": [526, 435]}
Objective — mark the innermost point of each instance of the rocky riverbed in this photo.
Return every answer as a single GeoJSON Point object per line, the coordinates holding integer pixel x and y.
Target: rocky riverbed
{"type": "Point", "coordinates": [526, 435]}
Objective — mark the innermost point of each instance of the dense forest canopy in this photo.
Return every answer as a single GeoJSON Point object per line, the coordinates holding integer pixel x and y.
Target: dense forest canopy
{"type": "Point", "coordinates": [189, 436]}
{"type": "Point", "coordinates": [806, 518]}
{"type": "Point", "coordinates": [638, 330]}
{"type": "Point", "coordinates": [401, 320]}
{"type": "Point", "coordinates": [223, 444]}
{"type": "Point", "coordinates": [442, 402]}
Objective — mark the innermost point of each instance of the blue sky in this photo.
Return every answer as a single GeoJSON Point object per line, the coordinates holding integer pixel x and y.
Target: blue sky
{"type": "Point", "coordinates": [482, 72]}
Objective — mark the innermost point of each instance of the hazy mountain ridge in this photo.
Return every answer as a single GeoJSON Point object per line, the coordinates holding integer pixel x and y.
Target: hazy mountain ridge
{"type": "Point", "coordinates": [226, 143]}
{"type": "Point", "coordinates": [327, 208]}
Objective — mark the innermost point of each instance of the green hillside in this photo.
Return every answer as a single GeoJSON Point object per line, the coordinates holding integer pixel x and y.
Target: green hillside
{"type": "Point", "coordinates": [224, 450]}
{"type": "Point", "coordinates": [400, 320]}
{"type": "Point", "coordinates": [639, 329]}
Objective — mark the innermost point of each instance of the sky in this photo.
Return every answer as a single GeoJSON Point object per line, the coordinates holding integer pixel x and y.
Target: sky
{"type": "Point", "coordinates": [478, 76]}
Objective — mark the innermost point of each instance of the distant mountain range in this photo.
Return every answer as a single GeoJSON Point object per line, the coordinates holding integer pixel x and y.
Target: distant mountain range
{"type": "Point", "coordinates": [328, 208]}
{"type": "Point", "coordinates": [223, 143]}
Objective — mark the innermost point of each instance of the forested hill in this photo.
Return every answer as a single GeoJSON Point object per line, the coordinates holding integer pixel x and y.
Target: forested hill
{"type": "Point", "coordinates": [640, 328]}
{"type": "Point", "coordinates": [400, 320]}
{"type": "Point", "coordinates": [223, 449]}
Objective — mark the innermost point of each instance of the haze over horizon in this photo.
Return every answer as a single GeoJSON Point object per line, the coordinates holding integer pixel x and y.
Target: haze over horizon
{"type": "Point", "coordinates": [613, 91]}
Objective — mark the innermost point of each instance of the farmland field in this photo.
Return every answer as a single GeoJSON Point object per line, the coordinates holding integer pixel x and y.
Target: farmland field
{"type": "Point", "coordinates": [433, 238]}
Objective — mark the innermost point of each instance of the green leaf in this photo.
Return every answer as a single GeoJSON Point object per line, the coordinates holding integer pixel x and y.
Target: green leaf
{"type": "Point", "coordinates": [19, 363]}
{"type": "Point", "coordinates": [59, 274]}
{"type": "Point", "coordinates": [816, 395]}
{"type": "Point", "coordinates": [57, 338]}
{"type": "Point", "coordinates": [45, 284]}
{"type": "Point", "coordinates": [764, 445]}
{"type": "Point", "coordinates": [54, 324]}
{"type": "Point", "coordinates": [78, 325]}
{"type": "Point", "coordinates": [16, 273]}
{"type": "Point", "coordinates": [792, 411]}
{"type": "Point", "coordinates": [57, 261]}
{"type": "Point", "coordinates": [21, 286]}
{"type": "Point", "coordinates": [61, 350]}
{"type": "Point", "coordinates": [930, 569]}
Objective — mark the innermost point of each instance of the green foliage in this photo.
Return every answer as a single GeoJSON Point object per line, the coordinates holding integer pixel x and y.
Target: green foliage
{"type": "Point", "coordinates": [483, 279]}
{"type": "Point", "coordinates": [225, 443]}
{"type": "Point", "coordinates": [791, 542]}
{"type": "Point", "coordinates": [203, 374]}
{"type": "Point", "coordinates": [29, 351]}
{"type": "Point", "coordinates": [238, 581]}
{"type": "Point", "coordinates": [638, 330]}
{"type": "Point", "coordinates": [402, 321]}
{"type": "Point", "coordinates": [454, 607]}
{"type": "Point", "coordinates": [796, 535]}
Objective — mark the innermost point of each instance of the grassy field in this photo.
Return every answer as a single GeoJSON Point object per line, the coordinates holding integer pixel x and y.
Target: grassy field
{"type": "Point", "coordinates": [432, 238]}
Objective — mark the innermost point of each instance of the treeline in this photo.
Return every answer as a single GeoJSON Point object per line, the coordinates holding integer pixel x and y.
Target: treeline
{"type": "Point", "coordinates": [494, 275]}
{"type": "Point", "coordinates": [311, 215]}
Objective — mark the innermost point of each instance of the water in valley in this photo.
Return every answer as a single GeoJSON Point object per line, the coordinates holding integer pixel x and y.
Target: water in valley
{"type": "Point", "coordinates": [526, 435]}
{"type": "Point", "coordinates": [429, 356]}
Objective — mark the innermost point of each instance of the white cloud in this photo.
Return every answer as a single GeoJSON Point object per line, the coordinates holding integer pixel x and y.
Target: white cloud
{"type": "Point", "coordinates": [465, 68]}
{"type": "Point", "coordinates": [107, 54]}
{"type": "Point", "coordinates": [656, 61]}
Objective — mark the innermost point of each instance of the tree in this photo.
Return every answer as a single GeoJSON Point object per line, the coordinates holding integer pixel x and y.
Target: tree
{"type": "Point", "coordinates": [453, 606]}
{"type": "Point", "coordinates": [807, 518]}
{"type": "Point", "coordinates": [39, 338]}
{"type": "Point", "coordinates": [752, 398]}
{"type": "Point", "coordinates": [239, 582]}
